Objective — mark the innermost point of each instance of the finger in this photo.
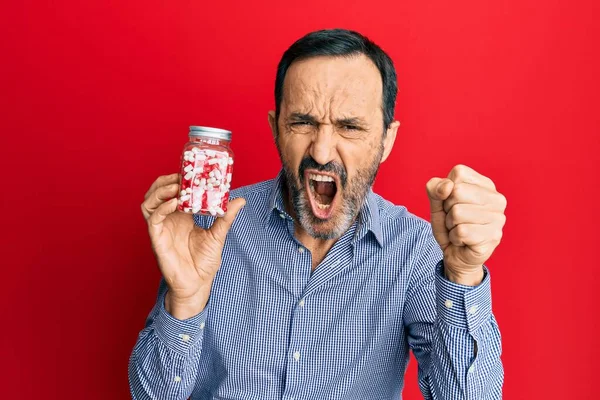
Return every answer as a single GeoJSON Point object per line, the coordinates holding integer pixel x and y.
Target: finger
{"type": "Point", "coordinates": [471, 214]}
{"type": "Point", "coordinates": [463, 174]}
{"type": "Point", "coordinates": [156, 219]}
{"type": "Point", "coordinates": [474, 234]}
{"type": "Point", "coordinates": [467, 193]}
{"type": "Point", "coordinates": [162, 181]}
{"type": "Point", "coordinates": [158, 197]}
{"type": "Point", "coordinates": [222, 225]}
{"type": "Point", "coordinates": [438, 190]}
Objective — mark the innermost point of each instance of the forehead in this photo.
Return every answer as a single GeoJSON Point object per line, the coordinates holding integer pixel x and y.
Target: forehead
{"type": "Point", "coordinates": [323, 85]}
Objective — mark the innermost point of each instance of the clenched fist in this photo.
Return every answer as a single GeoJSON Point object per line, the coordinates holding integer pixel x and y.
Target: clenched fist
{"type": "Point", "coordinates": [467, 217]}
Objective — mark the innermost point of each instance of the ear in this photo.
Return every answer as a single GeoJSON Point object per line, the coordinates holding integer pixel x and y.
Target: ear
{"type": "Point", "coordinates": [389, 140]}
{"type": "Point", "coordinates": [273, 124]}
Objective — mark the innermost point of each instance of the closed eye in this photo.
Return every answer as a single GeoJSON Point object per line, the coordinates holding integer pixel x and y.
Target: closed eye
{"type": "Point", "coordinates": [351, 125]}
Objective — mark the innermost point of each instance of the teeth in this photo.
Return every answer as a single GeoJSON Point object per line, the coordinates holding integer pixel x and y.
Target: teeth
{"type": "Point", "coordinates": [323, 206]}
{"type": "Point", "coordinates": [320, 178]}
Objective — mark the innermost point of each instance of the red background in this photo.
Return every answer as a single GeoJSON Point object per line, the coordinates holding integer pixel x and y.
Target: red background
{"type": "Point", "coordinates": [96, 98]}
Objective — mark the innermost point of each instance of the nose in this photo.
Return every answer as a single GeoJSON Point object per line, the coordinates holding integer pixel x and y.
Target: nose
{"type": "Point", "coordinates": [322, 148]}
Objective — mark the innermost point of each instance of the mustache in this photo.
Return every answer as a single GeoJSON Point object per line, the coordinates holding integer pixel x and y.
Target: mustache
{"type": "Point", "coordinates": [331, 167]}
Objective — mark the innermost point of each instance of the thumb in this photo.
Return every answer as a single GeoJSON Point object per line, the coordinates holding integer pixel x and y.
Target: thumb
{"type": "Point", "coordinates": [222, 225]}
{"type": "Point", "coordinates": [438, 190]}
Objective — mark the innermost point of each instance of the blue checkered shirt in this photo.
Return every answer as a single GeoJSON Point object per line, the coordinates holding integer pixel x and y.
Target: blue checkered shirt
{"type": "Point", "coordinates": [275, 329]}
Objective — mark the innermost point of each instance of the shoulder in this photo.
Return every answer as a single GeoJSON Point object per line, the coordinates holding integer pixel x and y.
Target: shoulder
{"type": "Point", "coordinates": [408, 239]}
{"type": "Point", "coordinates": [257, 196]}
{"type": "Point", "coordinates": [403, 231]}
{"type": "Point", "coordinates": [397, 218]}
{"type": "Point", "coordinates": [256, 191]}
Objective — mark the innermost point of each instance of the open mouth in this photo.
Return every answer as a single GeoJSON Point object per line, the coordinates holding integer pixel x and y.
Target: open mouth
{"type": "Point", "coordinates": [322, 189]}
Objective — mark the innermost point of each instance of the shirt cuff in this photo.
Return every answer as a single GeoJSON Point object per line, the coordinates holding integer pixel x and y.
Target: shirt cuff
{"type": "Point", "coordinates": [466, 307]}
{"type": "Point", "coordinates": [179, 335]}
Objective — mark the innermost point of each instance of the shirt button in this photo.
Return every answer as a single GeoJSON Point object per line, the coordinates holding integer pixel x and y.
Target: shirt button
{"type": "Point", "coordinates": [473, 310]}
{"type": "Point", "coordinates": [177, 379]}
{"type": "Point", "coordinates": [472, 369]}
{"type": "Point", "coordinates": [301, 303]}
{"type": "Point", "coordinates": [301, 249]}
{"type": "Point", "coordinates": [448, 303]}
{"type": "Point", "coordinates": [202, 325]}
{"type": "Point", "coordinates": [297, 356]}
{"type": "Point", "coordinates": [282, 215]}
{"type": "Point", "coordinates": [184, 337]}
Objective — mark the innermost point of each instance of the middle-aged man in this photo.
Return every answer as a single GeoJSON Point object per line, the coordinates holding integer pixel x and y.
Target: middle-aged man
{"type": "Point", "coordinates": [318, 288]}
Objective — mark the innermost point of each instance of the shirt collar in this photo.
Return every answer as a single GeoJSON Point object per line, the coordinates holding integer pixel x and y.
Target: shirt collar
{"type": "Point", "coordinates": [368, 215]}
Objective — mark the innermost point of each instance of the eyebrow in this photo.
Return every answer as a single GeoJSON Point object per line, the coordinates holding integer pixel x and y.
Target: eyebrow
{"type": "Point", "coordinates": [342, 121]}
{"type": "Point", "coordinates": [350, 121]}
{"type": "Point", "coordinates": [302, 117]}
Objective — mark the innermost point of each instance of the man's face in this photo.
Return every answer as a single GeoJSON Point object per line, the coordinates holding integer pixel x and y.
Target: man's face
{"type": "Point", "coordinates": [330, 138]}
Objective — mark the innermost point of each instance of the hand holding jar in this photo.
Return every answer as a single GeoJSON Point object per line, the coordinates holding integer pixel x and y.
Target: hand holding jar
{"type": "Point", "coordinates": [189, 256]}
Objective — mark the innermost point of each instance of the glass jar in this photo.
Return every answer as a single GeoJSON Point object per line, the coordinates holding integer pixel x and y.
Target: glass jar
{"type": "Point", "coordinates": [206, 167]}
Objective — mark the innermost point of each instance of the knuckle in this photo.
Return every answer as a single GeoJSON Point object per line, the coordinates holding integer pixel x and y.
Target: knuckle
{"type": "Point", "coordinates": [163, 192]}
{"type": "Point", "coordinates": [449, 203]}
{"type": "Point", "coordinates": [459, 190]}
{"type": "Point", "coordinates": [457, 213]}
{"type": "Point", "coordinates": [502, 219]}
{"type": "Point", "coordinates": [503, 201]}
{"type": "Point", "coordinates": [449, 221]}
{"type": "Point", "coordinates": [160, 190]}
{"type": "Point", "coordinates": [461, 231]}
{"type": "Point", "coordinates": [498, 235]}
{"type": "Point", "coordinates": [459, 170]}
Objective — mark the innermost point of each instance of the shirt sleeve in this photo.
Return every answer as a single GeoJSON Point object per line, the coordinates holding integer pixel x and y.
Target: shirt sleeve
{"type": "Point", "coordinates": [163, 364]}
{"type": "Point", "coordinates": [452, 332]}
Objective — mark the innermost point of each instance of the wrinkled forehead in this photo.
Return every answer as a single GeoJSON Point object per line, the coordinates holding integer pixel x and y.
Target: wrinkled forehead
{"type": "Point", "coordinates": [331, 86]}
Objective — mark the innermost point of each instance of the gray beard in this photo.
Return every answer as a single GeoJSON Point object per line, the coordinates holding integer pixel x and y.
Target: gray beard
{"type": "Point", "coordinates": [354, 195]}
{"type": "Point", "coordinates": [354, 192]}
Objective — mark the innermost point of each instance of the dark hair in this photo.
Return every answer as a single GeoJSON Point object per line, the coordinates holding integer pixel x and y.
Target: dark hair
{"type": "Point", "coordinates": [341, 43]}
